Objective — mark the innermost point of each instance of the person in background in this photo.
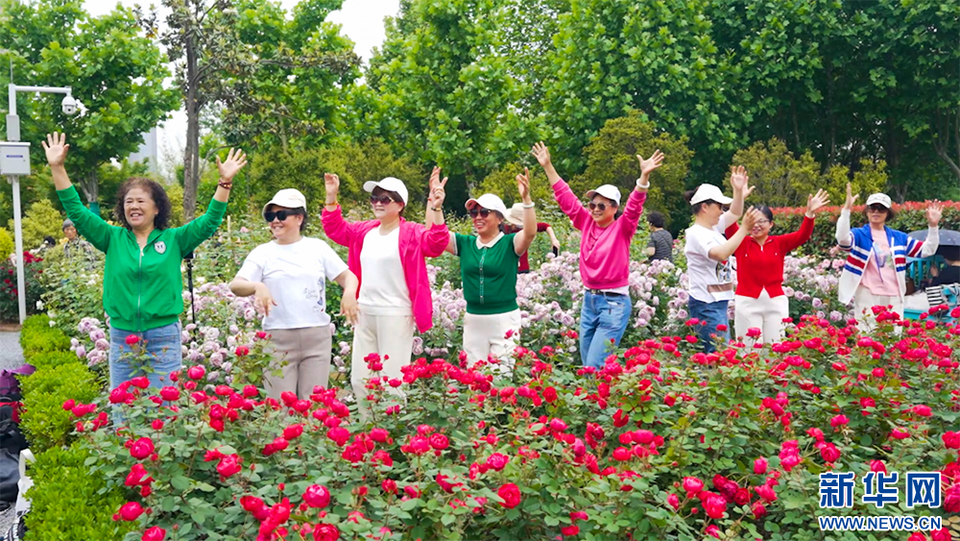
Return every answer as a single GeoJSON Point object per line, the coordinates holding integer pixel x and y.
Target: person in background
{"type": "Point", "coordinates": [760, 300]}
{"type": "Point", "coordinates": [950, 273]}
{"type": "Point", "coordinates": [708, 253]}
{"type": "Point", "coordinates": [75, 246]}
{"type": "Point", "coordinates": [388, 256]}
{"type": "Point", "coordinates": [514, 224]}
{"type": "Point", "coordinates": [288, 278]}
{"type": "Point", "coordinates": [142, 280]}
{"type": "Point", "coordinates": [875, 271]}
{"type": "Point", "coordinates": [661, 241]}
{"type": "Point", "coordinates": [48, 243]}
{"type": "Point", "coordinates": [489, 266]}
{"type": "Point", "coordinates": [604, 254]}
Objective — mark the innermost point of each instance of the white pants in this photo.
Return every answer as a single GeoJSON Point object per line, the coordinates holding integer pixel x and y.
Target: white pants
{"type": "Point", "coordinates": [764, 313]}
{"type": "Point", "coordinates": [865, 300]}
{"type": "Point", "coordinates": [486, 335]}
{"type": "Point", "coordinates": [389, 336]}
{"type": "Point", "coordinates": [303, 356]}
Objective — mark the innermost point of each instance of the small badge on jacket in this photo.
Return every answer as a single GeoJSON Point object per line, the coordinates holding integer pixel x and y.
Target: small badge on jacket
{"type": "Point", "coordinates": [160, 246]}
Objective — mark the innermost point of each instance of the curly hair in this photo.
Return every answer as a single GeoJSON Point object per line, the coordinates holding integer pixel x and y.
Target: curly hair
{"type": "Point", "coordinates": [157, 193]}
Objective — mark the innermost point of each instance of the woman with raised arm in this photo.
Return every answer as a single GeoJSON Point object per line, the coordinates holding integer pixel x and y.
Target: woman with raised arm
{"type": "Point", "coordinates": [604, 254]}
{"type": "Point", "coordinates": [488, 266]}
{"type": "Point", "coordinates": [142, 280]}
{"type": "Point", "coordinates": [388, 256]}
{"type": "Point", "coordinates": [760, 301]}
{"type": "Point", "coordinates": [875, 271]}
{"type": "Point", "coordinates": [288, 278]}
{"type": "Point", "coordinates": [708, 251]}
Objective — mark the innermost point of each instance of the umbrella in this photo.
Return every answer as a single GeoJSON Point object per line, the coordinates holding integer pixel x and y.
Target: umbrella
{"type": "Point", "coordinates": [949, 242]}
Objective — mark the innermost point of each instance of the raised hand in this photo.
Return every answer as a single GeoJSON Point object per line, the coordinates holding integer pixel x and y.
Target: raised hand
{"type": "Point", "coordinates": [751, 218]}
{"type": "Point", "coordinates": [851, 198]}
{"type": "Point", "coordinates": [332, 184]}
{"type": "Point", "coordinates": [56, 148]}
{"type": "Point", "coordinates": [818, 201]}
{"type": "Point", "coordinates": [934, 213]}
{"type": "Point", "coordinates": [437, 192]}
{"type": "Point", "coordinates": [739, 179]}
{"type": "Point", "coordinates": [523, 185]}
{"type": "Point", "coordinates": [542, 153]}
{"type": "Point", "coordinates": [651, 163]}
{"type": "Point", "coordinates": [236, 159]}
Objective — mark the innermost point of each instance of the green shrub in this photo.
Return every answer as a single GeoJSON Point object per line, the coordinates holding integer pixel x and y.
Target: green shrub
{"type": "Point", "coordinates": [35, 341]}
{"type": "Point", "coordinates": [6, 244]}
{"type": "Point", "coordinates": [53, 359]}
{"type": "Point", "coordinates": [45, 422]}
{"type": "Point", "coordinates": [68, 502]}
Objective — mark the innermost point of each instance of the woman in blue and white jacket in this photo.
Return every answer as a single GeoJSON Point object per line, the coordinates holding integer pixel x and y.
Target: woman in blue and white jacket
{"type": "Point", "coordinates": [875, 271]}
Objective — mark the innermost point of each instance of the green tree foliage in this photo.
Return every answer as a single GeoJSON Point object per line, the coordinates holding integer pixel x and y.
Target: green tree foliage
{"type": "Point", "coordinates": [116, 73]}
{"type": "Point", "coordinates": [612, 159]}
{"type": "Point", "coordinates": [440, 93]}
{"type": "Point", "coordinates": [41, 220]}
{"type": "Point", "coordinates": [783, 180]}
{"type": "Point", "coordinates": [503, 183]}
{"type": "Point", "coordinates": [355, 164]}
{"type": "Point", "coordinates": [6, 244]}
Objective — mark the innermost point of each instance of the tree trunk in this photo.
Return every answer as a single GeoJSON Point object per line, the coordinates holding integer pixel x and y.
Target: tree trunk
{"type": "Point", "coordinates": [191, 159]}
{"type": "Point", "coordinates": [942, 139]}
{"type": "Point", "coordinates": [91, 190]}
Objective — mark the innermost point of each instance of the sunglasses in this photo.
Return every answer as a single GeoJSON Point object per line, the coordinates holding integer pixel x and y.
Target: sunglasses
{"type": "Point", "coordinates": [483, 213]}
{"type": "Point", "coordinates": [280, 214]}
{"type": "Point", "coordinates": [382, 199]}
{"type": "Point", "coordinates": [877, 208]}
{"type": "Point", "coordinates": [602, 206]}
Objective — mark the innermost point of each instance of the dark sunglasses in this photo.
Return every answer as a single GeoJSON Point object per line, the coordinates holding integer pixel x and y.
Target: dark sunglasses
{"type": "Point", "coordinates": [280, 214]}
{"type": "Point", "coordinates": [483, 213]}
{"type": "Point", "coordinates": [594, 206]}
{"type": "Point", "coordinates": [877, 207]}
{"type": "Point", "coordinates": [382, 199]}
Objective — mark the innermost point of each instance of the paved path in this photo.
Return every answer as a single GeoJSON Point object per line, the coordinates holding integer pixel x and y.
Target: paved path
{"type": "Point", "coordinates": [11, 356]}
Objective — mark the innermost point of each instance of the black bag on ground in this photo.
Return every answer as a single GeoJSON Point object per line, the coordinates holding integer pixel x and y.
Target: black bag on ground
{"type": "Point", "coordinates": [11, 443]}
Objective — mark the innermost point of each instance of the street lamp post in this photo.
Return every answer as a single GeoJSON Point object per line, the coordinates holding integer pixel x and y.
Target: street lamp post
{"type": "Point", "coordinates": [69, 106]}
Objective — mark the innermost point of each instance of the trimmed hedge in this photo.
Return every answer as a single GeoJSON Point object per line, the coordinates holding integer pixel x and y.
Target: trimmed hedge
{"type": "Point", "coordinates": [67, 501]}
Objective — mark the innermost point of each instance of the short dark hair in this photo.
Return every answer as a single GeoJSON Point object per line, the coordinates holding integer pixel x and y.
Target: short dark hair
{"type": "Point", "coordinates": [891, 214]}
{"type": "Point", "coordinates": [656, 219]}
{"type": "Point", "coordinates": [157, 193]}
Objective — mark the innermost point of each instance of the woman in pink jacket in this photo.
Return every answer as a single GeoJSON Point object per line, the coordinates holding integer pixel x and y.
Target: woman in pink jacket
{"type": "Point", "coordinates": [604, 254]}
{"type": "Point", "coordinates": [388, 256]}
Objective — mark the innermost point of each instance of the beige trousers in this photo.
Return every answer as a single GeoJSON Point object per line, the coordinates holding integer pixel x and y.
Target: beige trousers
{"type": "Point", "coordinates": [486, 335]}
{"type": "Point", "coordinates": [304, 357]}
{"type": "Point", "coordinates": [762, 313]}
{"type": "Point", "coordinates": [389, 336]}
{"type": "Point", "coordinates": [864, 300]}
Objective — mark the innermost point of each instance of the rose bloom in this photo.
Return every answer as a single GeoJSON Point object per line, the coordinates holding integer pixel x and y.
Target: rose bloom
{"type": "Point", "coordinates": [510, 494]}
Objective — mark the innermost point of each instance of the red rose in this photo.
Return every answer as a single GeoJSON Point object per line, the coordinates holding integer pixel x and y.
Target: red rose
{"type": "Point", "coordinates": [317, 496]}
{"type": "Point", "coordinates": [878, 466]}
{"type": "Point", "coordinates": [498, 461]}
{"type": "Point", "coordinates": [951, 440]}
{"type": "Point", "coordinates": [550, 394]}
{"type": "Point", "coordinates": [254, 506]}
{"type": "Point", "coordinates": [154, 533]}
{"type": "Point", "coordinates": [742, 497]}
{"type": "Point", "coordinates": [196, 372]}
{"type": "Point", "coordinates": [439, 442]}
{"type": "Point", "coordinates": [130, 511]}
{"type": "Point", "coordinates": [898, 434]}
{"type": "Point", "coordinates": [140, 382]}
{"type": "Point", "coordinates": [249, 391]}
{"type": "Point", "coordinates": [758, 510]}
{"type": "Point", "coordinates": [242, 351]}
{"type": "Point", "coordinates": [510, 494]}
{"type": "Point", "coordinates": [326, 532]}
{"type": "Point", "coordinates": [571, 530]}
{"type": "Point", "coordinates": [674, 501]}
{"type": "Point", "coordinates": [760, 466]}
{"type": "Point", "coordinates": [692, 485]}
{"type": "Point", "coordinates": [830, 453]}
{"type": "Point", "coordinates": [715, 506]}
{"type": "Point", "coordinates": [132, 339]}
{"type": "Point", "coordinates": [389, 486]}
{"type": "Point", "coordinates": [229, 465]}
{"type": "Point", "coordinates": [170, 394]}
{"type": "Point", "coordinates": [951, 499]}
{"type": "Point", "coordinates": [69, 404]}
{"type": "Point", "coordinates": [293, 431]}
{"type": "Point", "coordinates": [142, 448]}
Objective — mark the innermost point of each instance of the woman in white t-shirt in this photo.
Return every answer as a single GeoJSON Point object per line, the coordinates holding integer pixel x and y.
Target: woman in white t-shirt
{"type": "Point", "coordinates": [708, 251]}
{"type": "Point", "coordinates": [288, 277]}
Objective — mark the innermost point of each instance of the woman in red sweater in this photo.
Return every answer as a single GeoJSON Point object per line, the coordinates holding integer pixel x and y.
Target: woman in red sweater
{"type": "Point", "coordinates": [760, 303]}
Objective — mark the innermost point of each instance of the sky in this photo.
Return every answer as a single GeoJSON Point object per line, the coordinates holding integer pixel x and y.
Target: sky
{"type": "Point", "coordinates": [361, 21]}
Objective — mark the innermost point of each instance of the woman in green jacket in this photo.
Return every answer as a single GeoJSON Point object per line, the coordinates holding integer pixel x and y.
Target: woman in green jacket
{"type": "Point", "coordinates": [142, 281]}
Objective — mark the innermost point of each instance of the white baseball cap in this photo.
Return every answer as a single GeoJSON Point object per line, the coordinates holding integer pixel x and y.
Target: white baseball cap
{"type": "Point", "coordinates": [288, 198]}
{"type": "Point", "coordinates": [389, 184]}
{"type": "Point", "coordinates": [709, 192]}
{"type": "Point", "coordinates": [489, 202]}
{"type": "Point", "coordinates": [880, 199]}
{"type": "Point", "coordinates": [609, 191]}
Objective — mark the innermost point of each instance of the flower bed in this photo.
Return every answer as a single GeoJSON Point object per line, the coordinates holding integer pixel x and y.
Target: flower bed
{"type": "Point", "coordinates": [662, 443]}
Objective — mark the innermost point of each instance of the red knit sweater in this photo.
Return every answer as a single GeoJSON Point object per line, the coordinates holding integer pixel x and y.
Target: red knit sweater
{"type": "Point", "coordinates": [761, 267]}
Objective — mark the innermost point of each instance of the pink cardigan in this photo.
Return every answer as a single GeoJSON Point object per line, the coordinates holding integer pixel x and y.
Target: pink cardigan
{"type": "Point", "coordinates": [604, 251]}
{"type": "Point", "coordinates": [416, 244]}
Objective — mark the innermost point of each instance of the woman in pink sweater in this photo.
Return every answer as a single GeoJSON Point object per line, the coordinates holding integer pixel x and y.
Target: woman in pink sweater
{"type": "Point", "coordinates": [604, 254]}
{"type": "Point", "coordinates": [388, 256]}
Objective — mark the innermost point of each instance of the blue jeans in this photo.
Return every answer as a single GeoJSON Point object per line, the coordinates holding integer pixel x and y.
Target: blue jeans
{"type": "Point", "coordinates": [603, 320]}
{"type": "Point", "coordinates": [163, 348]}
{"type": "Point", "coordinates": [710, 315]}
